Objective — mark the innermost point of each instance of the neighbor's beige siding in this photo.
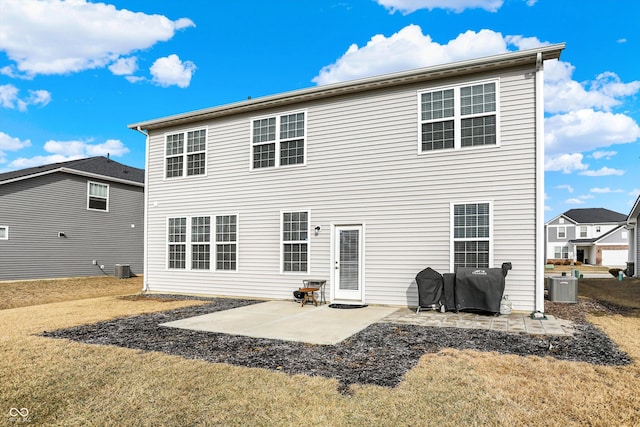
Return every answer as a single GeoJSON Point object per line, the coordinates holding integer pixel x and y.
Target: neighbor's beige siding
{"type": "Point", "coordinates": [363, 167]}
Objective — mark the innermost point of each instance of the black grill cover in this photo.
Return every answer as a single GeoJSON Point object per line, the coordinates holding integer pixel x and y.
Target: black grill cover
{"type": "Point", "coordinates": [449, 299]}
{"type": "Point", "coordinates": [429, 287]}
{"type": "Point", "coordinates": [480, 289]}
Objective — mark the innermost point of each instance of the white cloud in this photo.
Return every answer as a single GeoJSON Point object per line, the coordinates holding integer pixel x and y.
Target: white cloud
{"type": "Point", "coordinates": [565, 187]}
{"type": "Point", "coordinates": [604, 190]}
{"type": "Point", "coordinates": [170, 70]}
{"type": "Point", "coordinates": [124, 66]}
{"type": "Point", "coordinates": [9, 143]}
{"type": "Point", "coordinates": [24, 162]}
{"type": "Point", "coordinates": [408, 6]}
{"type": "Point", "coordinates": [79, 149]}
{"type": "Point", "coordinates": [585, 130]}
{"type": "Point", "coordinates": [604, 171]}
{"type": "Point", "coordinates": [622, 40]}
{"type": "Point", "coordinates": [75, 35]}
{"type": "Point", "coordinates": [566, 163]}
{"type": "Point", "coordinates": [9, 98]}
{"type": "Point", "coordinates": [574, 201]}
{"type": "Point", "coordinates": [407, 49]}
{"type": "Point", "coordinates": [603, 154]}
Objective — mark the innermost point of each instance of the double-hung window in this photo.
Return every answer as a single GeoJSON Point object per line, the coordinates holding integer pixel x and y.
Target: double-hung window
{"type": "Point", "coordinates": [562, 232]}
{"type": "Point", "coordinates": [226, 242]}
{"type": "Point", "coordinates": [295, 241]}
{"type": "Point", "coordinates": [186, 153]}
{"type": "Point", "coordinates": [459, 117]}
{"type": "Point", "coordinates": [4, 232]}
{"type": "Point", "coordinates": [278, 140]}
{"type": "Point", "coordinates": [177, 243]}
{"type": "Point", "coordinates": [471, 226]}
{"type": "Point", "coordinates": [97, 196]}
{"type": "Point", "coordinates": [561, 252]}
{"type": "Point", "coordinates": [200, 242]}
{"type": "Point", "coordinates": [583, 231]}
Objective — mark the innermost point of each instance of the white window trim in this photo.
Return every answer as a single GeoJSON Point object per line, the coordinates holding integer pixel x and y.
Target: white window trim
{"type": "Point", "coordinates": [191, 243]}
{"type": "Point", "coordinates": [558, 232]}
{"type": "Point", "coordinates": [215, 244]}
{"type": "Point", "coordinates": [186, 243]}
{"type": "Point", "coordinates": [6, 232]}
{"type": "Point", "coordinates": [185, 154]}
{"type": "Point", "coordinates": [452, 238]}
{"type": "Point", "coordinates": [308, 242]}
{"type": "Point", "coordinates": [89, 195]}
{"type": "Point", "coordinates": [563, 250]}
{"type": "Point", "coordinates": [586, 231]}
{"type": "Point", "coordinates": [457, 117]}
{"type": "Point", "coordinates": [277, 141]}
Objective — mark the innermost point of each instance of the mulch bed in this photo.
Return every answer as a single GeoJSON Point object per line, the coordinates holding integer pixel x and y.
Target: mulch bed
{"type": "Point", "coordinates": [380, 354]}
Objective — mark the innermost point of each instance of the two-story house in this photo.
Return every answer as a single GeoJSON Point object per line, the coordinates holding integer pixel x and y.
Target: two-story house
{"type": "Point", "coordinates": [362, 183]}
{"type": "Point", "coordinates": [633, 263]}
{"type": "Point", "coordinates": [594, 236]}
{"type": "Point", "coordinates": [69, 219]}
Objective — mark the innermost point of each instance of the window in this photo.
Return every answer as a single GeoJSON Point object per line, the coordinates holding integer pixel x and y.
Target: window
{"type": "Point", "coordinates": [583, 231]}
{"type": "Point", "coordinates": [226, 242]}
{"type": "Point", "coordinates": [598, 229]}
{"type": "Point", "coordinates": [98, 196]}
{"type": "Point", "coordinates": [200, 246]}
{"type": "Point", "coordinates": [278, 141]}
{"type": "Point", "coordinates": [462, 116]}
{"type": "Point", "coordinates": [176, 240]}
{"type": "Point", "coordinates": [561, 252]}
{"type": "Point", "coordinates": [471, 223]}
{"type": "Point", "coordinates": [562, 232]}
{"type": "Point", "coordinates": [186, 159]}
{"type": "Point", "coordinates": [4, 232]}
{"type": "Point", "coordinates": [295, 236]}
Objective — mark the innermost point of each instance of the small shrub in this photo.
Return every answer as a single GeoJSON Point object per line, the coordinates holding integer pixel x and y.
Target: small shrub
{"type": "Point", "coordinates": [615, 271]}
{"type": "Point", "coordinates": [567, 262]}
{"type": "Point", "coordinates": [578, 263]}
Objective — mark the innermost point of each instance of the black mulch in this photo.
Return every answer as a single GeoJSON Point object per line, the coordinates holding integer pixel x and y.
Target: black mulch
{"type": "Point", "coordinates": [380, 354]}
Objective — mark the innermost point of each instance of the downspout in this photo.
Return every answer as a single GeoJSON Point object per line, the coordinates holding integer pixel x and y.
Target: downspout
{"type": "Point", "coordinates": [539, 215]}
{"type": "Point", "coordinates": [145, 260]}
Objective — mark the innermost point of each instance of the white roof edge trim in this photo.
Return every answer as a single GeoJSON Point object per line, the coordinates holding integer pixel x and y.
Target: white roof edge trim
{"type": "Point", "coordinates": [74, 172]}
{"type": "Point", "coordinates": [631, 218]}
{"type": "Point", "coordinates": [427, 73]}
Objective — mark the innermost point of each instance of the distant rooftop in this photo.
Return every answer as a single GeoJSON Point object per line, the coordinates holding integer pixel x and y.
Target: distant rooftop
{"type": "Point", "coordinates": [594, 216]}
{"type": "Point", "coordinates": [98, 166]}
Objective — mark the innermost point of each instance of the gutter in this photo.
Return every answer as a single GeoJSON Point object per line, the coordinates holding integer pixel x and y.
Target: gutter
{"type": "Point", "coordinates": [539, 220]}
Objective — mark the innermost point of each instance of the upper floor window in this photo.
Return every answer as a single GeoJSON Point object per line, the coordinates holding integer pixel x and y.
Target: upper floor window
{"type": "Point", "coordinates": [459, 117]}
{"type": "Point", "coordinates": [598, 229]}
{"type": "Point", "coordinates": [4, 232]}
{"type": "Point", "coordinates": [471, 225]}
{"type": "Point", "coordinates": [278, 141]}
{"type": "Point", "coordinates": [98, 196]}
{"type": "Point", "coordinates": [583, 231]}
{"type": "Point", "coordinates": [186, 153]}
{"type": "Point", "coordinates": [562, 232]}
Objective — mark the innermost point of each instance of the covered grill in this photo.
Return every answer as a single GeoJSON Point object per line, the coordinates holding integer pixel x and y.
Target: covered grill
{"type": "Point", "coordinates": [430, 285]}
{"type": "Point", "coordinates": [480, 289]}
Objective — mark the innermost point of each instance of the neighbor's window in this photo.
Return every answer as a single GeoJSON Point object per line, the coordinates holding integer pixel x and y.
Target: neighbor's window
{"type": "Point", "coordinates": [598, 229]}
{"type": "Point", "coordinates": [278, 141]}
{"type": "Point", "coordinates": [98, 196]}
{"type": "Point", "coordinates": [185, 153]}
{"type": "Point", "coordinates": [460, 116]}
{"type": "Point", "coordinates": [226, 242]}
{"type": "Point", "coordinates": [583, 231]}
{"type": "Point", "coordinates": [295, 236]}
{"type": "Point", "coordinates": [177, 243]}
{"type": "Point", "coordinates": [562, 232]}
{"type": "Point", "coordinates": [471, 234]}
{"type": "Point", "coordinates": [200, 242]}
{"type": "Point", "coordinates": [561, 252]}
{"type": "Point", "coordinates": [4, 232]}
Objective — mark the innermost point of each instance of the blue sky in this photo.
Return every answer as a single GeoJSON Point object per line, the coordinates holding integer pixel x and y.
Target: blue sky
{"type": "Point", "coordinates": [75, 73]}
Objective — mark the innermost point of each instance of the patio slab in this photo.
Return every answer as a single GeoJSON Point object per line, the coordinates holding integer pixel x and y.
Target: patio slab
{"type": "Point", "coordinates": [286, 320]}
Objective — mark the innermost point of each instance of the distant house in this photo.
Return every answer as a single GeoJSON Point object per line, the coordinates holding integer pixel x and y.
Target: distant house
{"type": "Point", "coordinates": [362, 184]}
{"type": "Point", "coordinates": [595, 236]}
{"type": "Point", "coordinates": [70, 219]}
{"type": "Point", "coordinates": [634, 239]}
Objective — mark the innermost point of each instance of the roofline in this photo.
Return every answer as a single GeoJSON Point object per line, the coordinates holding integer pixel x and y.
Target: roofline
{"type": "Point", "coordinates": [386, 80]}
{"type": "Point", "coordinates": [561, 216]}
{"type": "Point", "coordinates": [631, 218]}
{"type": "Point", "coordinates": [74, 172]}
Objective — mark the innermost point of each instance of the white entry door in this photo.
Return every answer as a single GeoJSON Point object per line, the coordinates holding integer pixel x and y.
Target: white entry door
{"type": "Point", "coordinates": [347, 277]}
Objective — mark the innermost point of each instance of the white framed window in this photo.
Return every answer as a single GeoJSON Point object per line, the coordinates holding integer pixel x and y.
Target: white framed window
{"type": "Point", "coordinates": [295, 241]}
{"type": "Point", "coordinates": [561, 252]}
{"type": "Point", "coordinates": [177, 243]}
{"type": "Point", "coordinates": [583, 231]}
{"type": "Point", "coordinates": [200, 242]}
{"type": "Point", "coordinates": [458, 117]}
{"type": "Point", "coordinates": [227, 242]}
{"type": "Point", "coordinates": [561, 221]}
{"type": "Point", "coordinates": [471, 231]}
{"type": "Point", "coordinates": [4, 232]}
{"type": "Point", "coordinates": [186, 153]}
{"type": "Point", "coordinates": [97, 196]}
{"type": "Point", "coordinates": [278, 140]}
{"type": "Point", "coordinates": [562, 232]}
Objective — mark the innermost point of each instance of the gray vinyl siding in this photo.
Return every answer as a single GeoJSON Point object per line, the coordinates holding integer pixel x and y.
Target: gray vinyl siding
{"type": "Point", "coordinates": [615, 238]}
{"type": "Point", "coordinates": [36, 209]}
{"type": "Point", "coordinates": [362, 167]}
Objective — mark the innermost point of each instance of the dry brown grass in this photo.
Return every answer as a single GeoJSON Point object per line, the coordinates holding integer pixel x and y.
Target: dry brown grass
{"type": "Point", "coordinates": [70, 383]}
{"type": "Point", "coordinates": [625, 293]}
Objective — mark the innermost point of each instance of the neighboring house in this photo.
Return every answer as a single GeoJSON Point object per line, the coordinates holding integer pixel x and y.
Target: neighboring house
{"type": "Point", "coordinates": [362, 183]}
{"type": "Point", "coordinates": [634, 240]}
{"type": "Point", "coordinates": [594, 236]}
{"type": "Point", "coordinates": [57, 219]}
